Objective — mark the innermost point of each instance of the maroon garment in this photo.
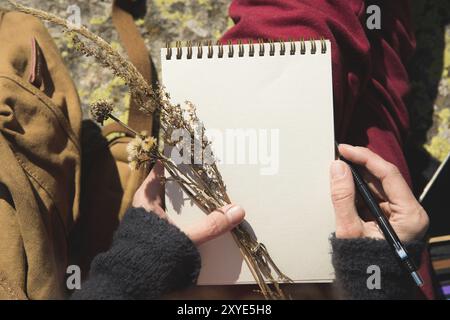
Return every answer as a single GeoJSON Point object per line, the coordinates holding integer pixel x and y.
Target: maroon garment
{"type": "Point", "coordinates": [370, 81]}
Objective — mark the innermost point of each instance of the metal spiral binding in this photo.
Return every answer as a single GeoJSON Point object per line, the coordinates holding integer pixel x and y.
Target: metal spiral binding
{"type": "Point", "coordinates": [323, 45]}
{"type": "Point", "coordinates": [210, 49]}
{"type": "Point", "coordinates": [220, 46]}
{"type": "Point", "coordinates": [230, 49]}
{"type": "Point", "coordinates": [272, 48]}
{"type": "Point", "coordinates": [313, 46]}
{"type": "Point", "coordinates": [251, 51]}
{"type": "Point", "coordinates": [293, 46]}
{"type": "Point", "coordinates": [179, 50]}
{"type": "Point", "coordinates": [199, 50]}
{"type": "Point", "coordinates": [302, 46]}
{"type": "Point", "coordinates": [282, 48]}
{"type": "Point", "coordinates": [241, 48]}
{"type": "Point", "coordinates": [261, 47]}
{"type": "Point", "coordinates": [189, 49]}
{"type": "Point", "coordinates": [292, 52]}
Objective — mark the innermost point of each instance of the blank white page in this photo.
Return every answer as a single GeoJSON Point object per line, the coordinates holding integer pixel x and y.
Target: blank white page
{"type": "Point", "coordinates": [284, 106]}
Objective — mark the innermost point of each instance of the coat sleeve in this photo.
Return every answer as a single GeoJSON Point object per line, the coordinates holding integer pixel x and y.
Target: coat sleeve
{"type": "Point", "coordinates": [148, 258]}
{"type": "Point", "coordinates": [366, 269]}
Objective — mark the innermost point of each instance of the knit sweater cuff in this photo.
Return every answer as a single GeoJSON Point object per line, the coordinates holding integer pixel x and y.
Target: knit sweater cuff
{"type": "Point", "coordinates": [357, 261]}
{"type": "Point", "coordinates": [148, 257]}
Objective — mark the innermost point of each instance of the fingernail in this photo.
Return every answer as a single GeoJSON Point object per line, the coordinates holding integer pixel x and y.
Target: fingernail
{"type": "Point", "coordinates": [338, 169]}
{"type": "Point", "coordinates": [235, 214]}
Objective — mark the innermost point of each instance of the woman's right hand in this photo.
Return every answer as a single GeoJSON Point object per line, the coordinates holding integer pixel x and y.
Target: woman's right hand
{"type": "Point", "coordinates": [406, 215]}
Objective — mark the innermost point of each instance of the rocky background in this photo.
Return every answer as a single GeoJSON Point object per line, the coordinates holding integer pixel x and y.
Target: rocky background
{"type": "Point", "coordinates": [171, 20]}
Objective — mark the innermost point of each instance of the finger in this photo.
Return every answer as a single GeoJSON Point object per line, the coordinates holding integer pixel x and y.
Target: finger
{"type": "Point", "coordinates": [158, 168]}
{"type": "Point", "coordinates": [151, 192]}
{"type": "Point", "coordinates": [215, 224]}
{"type": "Point", "coordinates": [348, 223]}
{"type": "Point", "coordinates": [386, 207]}
{"type": "Point", "coordinates": [394, 185]}
{"type": "Point", "coordinates": [374, 185]}
{"type": "Point", "coordinates": [152, 185]}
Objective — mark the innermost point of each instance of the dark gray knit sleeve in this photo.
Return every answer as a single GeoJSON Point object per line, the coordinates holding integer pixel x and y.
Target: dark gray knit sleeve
{"type": "Point", "coordinates": [352, 261]}
{"type": "Point", "coordinates": [148, 257]}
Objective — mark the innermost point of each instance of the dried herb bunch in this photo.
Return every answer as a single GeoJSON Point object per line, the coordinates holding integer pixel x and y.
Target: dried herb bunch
{"type": "Point", "coordinates": [199, 176]}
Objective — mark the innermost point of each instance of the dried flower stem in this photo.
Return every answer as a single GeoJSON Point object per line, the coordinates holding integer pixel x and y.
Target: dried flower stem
{"type": "Point", "coordinates": [123, 124]}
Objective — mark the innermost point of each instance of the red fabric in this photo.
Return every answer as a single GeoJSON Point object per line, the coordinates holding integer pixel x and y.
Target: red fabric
{"type": "Point", "coordinates": [370, 81]}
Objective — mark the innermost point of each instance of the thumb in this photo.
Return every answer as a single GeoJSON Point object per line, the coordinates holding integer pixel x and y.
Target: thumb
{"type": "Point", "coordinates": [348, 223]}
{"type": "Point", "coordinates": [150, 194]}
{"type": "Point", "coordinates": [215, 224]}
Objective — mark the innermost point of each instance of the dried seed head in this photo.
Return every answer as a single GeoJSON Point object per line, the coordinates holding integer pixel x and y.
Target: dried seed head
{"type": "Point", "coordinates": [140, 150]}
{"type": "Point", "coordinates": [101, 110]}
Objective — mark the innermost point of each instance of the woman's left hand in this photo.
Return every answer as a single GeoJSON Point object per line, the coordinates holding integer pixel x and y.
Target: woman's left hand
{"type": "Point", "coordinates": [149, 196]}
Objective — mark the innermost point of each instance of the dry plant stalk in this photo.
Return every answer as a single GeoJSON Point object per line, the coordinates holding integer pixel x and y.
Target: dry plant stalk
{"type": "Point", "coordinates": [199, 179]}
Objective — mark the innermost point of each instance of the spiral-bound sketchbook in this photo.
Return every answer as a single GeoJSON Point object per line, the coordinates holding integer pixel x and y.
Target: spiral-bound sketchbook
{"type": "Point", "coordinates": [268, 109]}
